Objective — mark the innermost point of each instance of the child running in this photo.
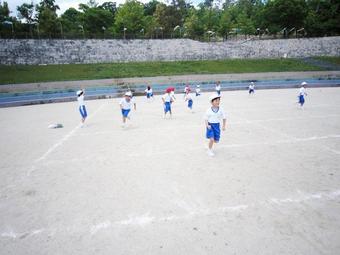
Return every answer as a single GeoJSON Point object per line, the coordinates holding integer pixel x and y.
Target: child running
{"type": "Point", "coordinates": [186, 89]}
{"type": "Point", "coordinates": [149, 94]}
{"type": "Point", "coordinates": [167, 100]}
{"type": "Point", "coordinates": [82, 108]}
{"type": "Point", "coordinates": [188, 98]}
{"type": "Point", "coordinates": [125, 105]}
{"type": "Point", "coordinates": [302, 93]}
{"type": "Point", "coordinates": [172, 94]}
{"type": "Point", "coordinates": [251, 88]}
{"type": "Point", "coordinates": [213, 117]}
{"type": "Point", "coordinates": [218, 88]}
{"type": "Point", "coordinates": [198, 90]}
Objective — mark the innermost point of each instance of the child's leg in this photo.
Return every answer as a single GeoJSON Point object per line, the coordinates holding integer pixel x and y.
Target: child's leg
{"type": "Point", "coordinates": [211, 142]}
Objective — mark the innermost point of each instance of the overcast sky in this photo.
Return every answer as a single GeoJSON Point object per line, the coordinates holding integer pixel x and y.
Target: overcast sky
{"type": "Point", "coordinates": [65, 4]}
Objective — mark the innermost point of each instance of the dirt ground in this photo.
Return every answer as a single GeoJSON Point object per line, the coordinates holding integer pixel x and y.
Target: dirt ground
{"type": "Point", "coordinates": [150, 188]}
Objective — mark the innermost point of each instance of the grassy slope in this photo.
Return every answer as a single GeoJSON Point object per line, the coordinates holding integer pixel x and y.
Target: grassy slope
{"type": "Point", "coordinates": [26, 74]}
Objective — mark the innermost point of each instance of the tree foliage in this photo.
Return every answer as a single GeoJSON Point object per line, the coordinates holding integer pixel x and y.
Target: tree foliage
{"type": "Point", "coordinates": [175, 18]}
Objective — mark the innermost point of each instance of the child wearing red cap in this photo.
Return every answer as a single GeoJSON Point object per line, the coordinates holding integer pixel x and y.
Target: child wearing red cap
{"type": "Point", "coordinates": [167, 100]}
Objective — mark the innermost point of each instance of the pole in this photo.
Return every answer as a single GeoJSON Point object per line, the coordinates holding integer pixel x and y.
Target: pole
{"type": "Point", "coordinates": [61, 30]}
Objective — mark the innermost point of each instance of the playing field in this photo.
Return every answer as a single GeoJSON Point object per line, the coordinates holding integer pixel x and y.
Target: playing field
{"type": "Point", "coordinates": [272, 188]}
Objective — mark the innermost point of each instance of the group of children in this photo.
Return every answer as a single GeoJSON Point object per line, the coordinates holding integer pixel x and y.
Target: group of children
{"type": "Point", "coordinates": [213, 116]}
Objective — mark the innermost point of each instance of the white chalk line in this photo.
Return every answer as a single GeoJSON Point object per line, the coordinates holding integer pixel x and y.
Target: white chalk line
{"type": "Point", "coordinates": [147, 219]}
{"type": "Point", "coordinates": [331, 150]}
{"type": "Point", "coordinates": [240, 145]}
{"type": "Point", "coordinates": [223, 146]}
{"type": "Point", "coordinates": [13, 235]}
{"type": "Point", "coordinates": [61, 141]}
{"type": "Point", "coordinates": [119, 129]}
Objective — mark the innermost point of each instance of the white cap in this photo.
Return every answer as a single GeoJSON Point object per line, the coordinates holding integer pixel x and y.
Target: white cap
{"type": "Point", "coordinates": [214, 96]}
{"type": "Point", "coordinates": [79, 92]}
{"type": "Point", "coordinates": [198, 86]}
{"type": "Point", "coordinates": [303, 83]}
{"type": "Point", "coordinates": [128, 94]}
{"type": "Point", "coordinates": [252, 83]}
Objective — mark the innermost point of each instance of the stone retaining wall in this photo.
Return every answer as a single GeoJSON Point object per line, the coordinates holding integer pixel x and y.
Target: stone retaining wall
{"type": "Point", "coordinates": [34, 52]}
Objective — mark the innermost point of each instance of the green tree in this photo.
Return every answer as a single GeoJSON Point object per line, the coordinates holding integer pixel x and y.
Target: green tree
{"type": "Point", "coordinates": [150, 7]}
{"type": "Point", "coordinates": [109, 6]}
{"type": "Point", "coordinates": [245, 24]}
{"type": "Point", "coordinates": [130, 16]}
{"type": "Point", "coordinates": [281, 14]}
{"type": "Point", "coordinates": [4, 11]}
{"type": "Point", "coordinates": [26, 11]}
{"type": "Point", "coordinates": [70, 20]}
{"type": "Point", "coordinates": [48, 19]}
{"type": "Point", "coordinates": [150, 25]}
{"type": "Point", "coordinates": [97, 20]}
{"type": "Point", "coordinates": [322, 18]}
{"type": "Point", "coordinates": [168, 17]}
{"type": "Point", "coordinates": [194, 26]}
{"type": "Point", "coordinates": [225, 25]}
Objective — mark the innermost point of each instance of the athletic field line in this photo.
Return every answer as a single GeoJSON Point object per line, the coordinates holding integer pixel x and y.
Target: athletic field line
{"type": "Point", "coordinates": [143, 220]}
{"type": "Point", "coordinates": [62, 141]}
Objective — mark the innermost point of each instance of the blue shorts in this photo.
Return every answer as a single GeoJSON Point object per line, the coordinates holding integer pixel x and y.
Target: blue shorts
{"type": "Point", "coordinates": [148, 95]}
{"type": "Point", "coordinates": [167, 107]}
{"type": "Point", "coordinates": [214, 132]}
{"type": "Point", "coordinates": [190, 102]}
{"type": "Point", "coordinates": [301, 100]}
{"type": "Point", "coordinates": [82, 111]}
{"type": "Point", "coordinates": [251, 91]}
{"type": "Point", "coordinates": [218, 92]}
{"type": "Point", "coordinates": [125, 112]}
{"type": "Point", "coordinates": [198, 94]}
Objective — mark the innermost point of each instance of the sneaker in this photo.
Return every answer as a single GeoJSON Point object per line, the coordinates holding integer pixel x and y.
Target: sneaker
{"type": "Point", "coordinates": [210, 153]}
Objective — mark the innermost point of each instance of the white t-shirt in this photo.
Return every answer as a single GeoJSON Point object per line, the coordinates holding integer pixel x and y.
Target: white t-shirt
{"type": "Point", "coordinates": [302, 91]}
{"type": "Point", "coordinates": [125, 104]}
{"type": "Point", "coordinates": [218, 87]}
{"type": "Point", "coordinates": [149, 91]}
{"type": "Point", "coordinates": [188, 96]}
{"type": "Point", "coordinates": [167, 97]}
{"type": "Point", "coordinates": [214, 117]}
{"type": "Point", "coordinates": [198, 90]}
{"type": "Point", "coordinates": [251, 86]}
{"type": "Point", "coordinates": [81, 100]}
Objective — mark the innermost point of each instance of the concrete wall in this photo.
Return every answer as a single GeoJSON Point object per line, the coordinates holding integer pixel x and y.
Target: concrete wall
{"type": "Point", "coordinates": [34, 52]}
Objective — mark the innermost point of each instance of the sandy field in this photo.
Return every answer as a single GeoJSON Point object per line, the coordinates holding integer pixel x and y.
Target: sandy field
{"type": "Point", "coordinates": [272, 188]}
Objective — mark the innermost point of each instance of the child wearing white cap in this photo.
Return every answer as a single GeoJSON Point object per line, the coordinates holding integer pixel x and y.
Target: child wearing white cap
{"type": "Point", "coordinates": [198, 90]}
{"type": "Point", "coordinates": [218, 88]}
{"type": "Point", "coordinates": [188, 98]}
{"type": "Point", "coordinates": [149, 93]}
{"type": "Point", "coordinates": [82, 108]}
{"type": "Point", "coordinates": [213, 117]}
{"type": "Point", "coordinates": [251, 88]}
{"type": "Point", "coordinates": [125, 105]}
{"type": "Point", "coordinates": [302, 93]}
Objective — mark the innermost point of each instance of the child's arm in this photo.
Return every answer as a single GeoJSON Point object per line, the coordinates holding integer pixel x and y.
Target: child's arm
{"type": "Point", "coordinates": [224, 124]}
{"type": "Point", "coordinates": [207, 124]}
{"type": "Point", "coordinates": [135, 106]}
